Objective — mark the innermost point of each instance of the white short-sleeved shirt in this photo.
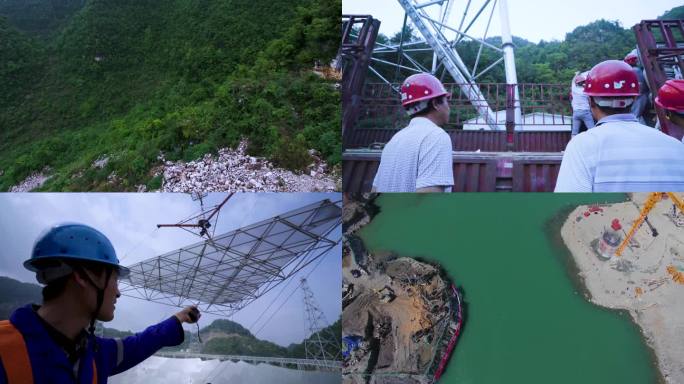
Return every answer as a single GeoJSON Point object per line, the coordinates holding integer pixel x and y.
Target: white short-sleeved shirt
{"type": "Point", "coordinates": [621, 155]}
{"type": "Point", "coordinates": [418, 156]}
{"type": "Point", "coordinates": [580, 101]}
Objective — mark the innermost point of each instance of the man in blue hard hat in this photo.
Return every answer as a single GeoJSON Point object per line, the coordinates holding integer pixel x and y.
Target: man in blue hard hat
{"type": "Point", "coordinates": [49, 343]}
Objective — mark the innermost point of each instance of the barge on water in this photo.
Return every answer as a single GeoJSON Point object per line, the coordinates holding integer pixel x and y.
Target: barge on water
{"type": "Point", "coordinates": [456, 329]}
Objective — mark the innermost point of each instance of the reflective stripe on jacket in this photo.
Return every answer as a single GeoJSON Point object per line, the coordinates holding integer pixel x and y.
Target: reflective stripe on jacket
{"type": "Point", "coordinates": [47, 362]}
{"type": "Point", "coordinates": [13, 354]}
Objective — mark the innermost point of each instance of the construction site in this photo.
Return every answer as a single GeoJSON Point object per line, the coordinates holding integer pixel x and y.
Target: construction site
{"type": "Point", "coordinates": [630, 256]}
{"type": "Point", "coordinates": [505, 136]}
{"type": "Point", "coordinates": [401, 317]}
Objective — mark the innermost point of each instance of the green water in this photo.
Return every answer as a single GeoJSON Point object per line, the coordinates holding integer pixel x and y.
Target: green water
{"type": "Point", "coordinates": [526, 320]}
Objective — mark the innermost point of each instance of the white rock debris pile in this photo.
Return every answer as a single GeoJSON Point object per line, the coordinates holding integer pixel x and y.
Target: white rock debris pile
{"type": "Point", "coordinates": [234, 170]}
{"type": "Point", "coordinates": [33, 181]}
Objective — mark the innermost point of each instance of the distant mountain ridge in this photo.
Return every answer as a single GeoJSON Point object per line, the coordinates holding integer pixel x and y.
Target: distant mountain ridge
{"type": "Point", "coordinates": [222, 336]}
{"type": "Point", "coordinates": [14, 294]}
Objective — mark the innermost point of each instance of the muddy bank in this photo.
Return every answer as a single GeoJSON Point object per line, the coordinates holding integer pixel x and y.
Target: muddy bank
{"type": "Point", "coordinates": [397, 312]}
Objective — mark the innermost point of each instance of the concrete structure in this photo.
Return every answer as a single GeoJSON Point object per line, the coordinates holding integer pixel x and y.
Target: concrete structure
{"type": "Point", "coordinates": [610, 240]}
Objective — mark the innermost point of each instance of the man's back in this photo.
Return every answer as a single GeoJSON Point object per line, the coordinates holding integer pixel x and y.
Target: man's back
{"type": "Point", "coordinates": [580, 101]}
{"type": "Point", "coordinates": [418, 156]}
{"type": "Point", "coordinates": [621, 155]}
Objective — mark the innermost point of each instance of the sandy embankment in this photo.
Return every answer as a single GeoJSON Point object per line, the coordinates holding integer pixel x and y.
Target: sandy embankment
{"type": "Point", "coordinates": [638, 281]}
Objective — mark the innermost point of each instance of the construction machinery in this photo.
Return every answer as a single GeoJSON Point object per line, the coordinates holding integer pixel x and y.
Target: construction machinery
{"type": "Point", "coordinates": [651, 202]}
{"type": "Point", "coordinates": [676, 201]}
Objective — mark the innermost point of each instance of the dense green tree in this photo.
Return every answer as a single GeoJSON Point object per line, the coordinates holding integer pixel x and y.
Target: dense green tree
{"type": "Point", "coordinates": [674, 13]}
{"type": "Point", "coordinates": [129, 79]}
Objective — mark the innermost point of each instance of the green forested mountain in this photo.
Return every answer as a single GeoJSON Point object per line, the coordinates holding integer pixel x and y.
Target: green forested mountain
{"type": "Point", "coordinates": [674, 13]}
{"type": "Point", "coordinates": [227, 327]}
{"type": "Point", "coordinates": [39, 18]}
{"type": "Point", "coordinates": [298, 350]}
{"type": "Point", "coordinates": [239, 341]}
{"type": "Point", "coordinates": [128, 79]}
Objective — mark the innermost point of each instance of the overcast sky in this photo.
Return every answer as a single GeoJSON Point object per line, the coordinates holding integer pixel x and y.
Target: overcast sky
{"type": "Point", "coordinates": [129, 221]}
{"type": "Point", "coordinates": [533, 20]}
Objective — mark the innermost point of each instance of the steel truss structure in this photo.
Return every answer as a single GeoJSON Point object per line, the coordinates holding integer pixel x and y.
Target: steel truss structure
{"type": "Point", "coordinates": [322, 342]}
{"type": "Point", "coordinates": [355, 54]}
{"type": "Point", "coordinates": [200, 223]}
{"type": "Point", "coordinates": [442, 35]}
{"type": "Point", "coordinates": [223, 274]}
{"type": "Point", "coordinates": [661, 51]}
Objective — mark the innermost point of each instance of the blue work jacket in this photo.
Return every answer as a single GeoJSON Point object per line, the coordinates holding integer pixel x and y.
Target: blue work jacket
{"type": "Point", "coordinates": [49, 363]}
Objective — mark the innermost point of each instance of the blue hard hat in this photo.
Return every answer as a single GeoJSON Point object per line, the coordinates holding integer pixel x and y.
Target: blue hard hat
{"type": "Point", "coordinates": [73, 242]}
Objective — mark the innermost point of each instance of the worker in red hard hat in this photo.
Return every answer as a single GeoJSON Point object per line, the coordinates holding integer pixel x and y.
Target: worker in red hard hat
{"type": "Point", "coordinates": [619, 154]}
{"type": "Point", "coordinates": [632, 59]}
{"type": "Point", "coordinates": [419, 157]}
{"type": "Point", "coordinates": [642, 102]}
{"type": "Point", "coordinates": [671, 99]}
{"type": "Point", "coordinates": [581, 112]}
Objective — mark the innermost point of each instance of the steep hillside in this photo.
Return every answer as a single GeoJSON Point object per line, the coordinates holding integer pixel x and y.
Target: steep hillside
{"type": "Point", "coordinates": [230, 338]}
{"type": "Point", "coordinates": [298, 350]}
{"type": "Point", "coordinates": [127, 80]}
{"type": "Point", "coordinates": [39, 18]}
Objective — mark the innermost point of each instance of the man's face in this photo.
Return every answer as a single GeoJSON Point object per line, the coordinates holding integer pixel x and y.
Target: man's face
{"type": "Point", "coordinates": [443, 109]}
{"type": "Point", "coordinates": [111, 293]}
{"type": "Point", "coordinates": [676, 119]}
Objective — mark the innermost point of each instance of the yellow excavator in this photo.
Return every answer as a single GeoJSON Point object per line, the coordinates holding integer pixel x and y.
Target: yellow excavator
{"type": "Point", "coordinates": [652, 200]}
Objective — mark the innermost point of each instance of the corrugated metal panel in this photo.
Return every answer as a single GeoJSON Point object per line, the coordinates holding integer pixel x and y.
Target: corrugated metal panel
{"type": "Point", "coordinates": [474, 175]}
{"type": "Point", "coordinates": [358, 172]}
{"type": "Point", "coordinates": [363, 138]}
{"type": "Point", "coordinates": [472, 172]}
{"type": "Point", "coordinates": [485, 141]}
{"type": "Point", "coordinates": [541, 141]}
{"type": "Point", "coordinates": [535, 175]}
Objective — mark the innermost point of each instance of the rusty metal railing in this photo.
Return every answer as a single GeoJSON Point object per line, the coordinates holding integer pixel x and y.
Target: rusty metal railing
{"type": "Point", "coordinates": [661, 48]}
{"type": "Point", "coordinates": [545, 107]}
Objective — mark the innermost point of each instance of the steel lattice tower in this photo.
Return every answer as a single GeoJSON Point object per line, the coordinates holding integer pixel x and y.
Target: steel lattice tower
{"type": "Point", "coordinates": [322, 341]}
{"type": "Point", "coordinates": [442, 34]}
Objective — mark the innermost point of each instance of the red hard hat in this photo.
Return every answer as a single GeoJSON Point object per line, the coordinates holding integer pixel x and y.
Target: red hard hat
{"type": "Point", "coordinates": [422, 86]}
{"type": "Point", "coordinates": [612, 78]}
{"type": "Point", "coordinates": [631, 59]}
{"type": "Point", "coordinates": [671, 96]}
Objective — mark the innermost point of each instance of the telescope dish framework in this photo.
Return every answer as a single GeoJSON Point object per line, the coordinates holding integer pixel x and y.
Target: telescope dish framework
{"type": "Point", "coordinates": [442, 35]}
{"type": "Point", "coordinates": [200, 223]}
{"type": "Point", "coordinates": [225, 273]}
